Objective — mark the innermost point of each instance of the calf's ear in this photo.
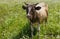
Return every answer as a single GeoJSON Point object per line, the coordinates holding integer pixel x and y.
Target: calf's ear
{"type": "Point", "coordinates": [24, 7]}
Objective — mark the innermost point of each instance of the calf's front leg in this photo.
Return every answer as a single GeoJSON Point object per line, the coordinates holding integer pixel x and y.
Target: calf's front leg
{"type": "Point", "coordinates": [38, 29]}
{"type": "Point", "coordinates": [31, 31]}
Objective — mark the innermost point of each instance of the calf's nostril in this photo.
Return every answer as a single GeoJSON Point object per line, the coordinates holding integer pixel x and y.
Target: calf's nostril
{"type": "Point", "coordinates": [28, 16]}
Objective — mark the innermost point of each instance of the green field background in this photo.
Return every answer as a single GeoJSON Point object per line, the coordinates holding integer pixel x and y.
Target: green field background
{"type": "Point", "coordinates": [15, 25]}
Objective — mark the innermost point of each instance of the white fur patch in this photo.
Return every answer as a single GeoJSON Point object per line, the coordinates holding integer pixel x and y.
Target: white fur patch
{"type": "Point", "coordinates": [42, 10]}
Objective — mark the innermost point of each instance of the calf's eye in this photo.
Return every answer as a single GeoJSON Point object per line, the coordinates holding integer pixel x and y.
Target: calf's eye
{"type": "Point", "coordinates": [37, 8]}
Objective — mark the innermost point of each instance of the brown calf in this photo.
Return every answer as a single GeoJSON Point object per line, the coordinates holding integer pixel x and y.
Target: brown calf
{"type": "Point", "coordinates": [36, 13]}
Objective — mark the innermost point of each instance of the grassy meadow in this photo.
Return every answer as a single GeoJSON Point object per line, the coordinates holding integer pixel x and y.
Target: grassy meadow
{"type": "Point", "coordinates": [15, 25]}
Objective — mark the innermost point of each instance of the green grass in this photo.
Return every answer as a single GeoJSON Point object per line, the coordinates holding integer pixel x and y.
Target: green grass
{"type": "Point", "coordinates": [15, 25]}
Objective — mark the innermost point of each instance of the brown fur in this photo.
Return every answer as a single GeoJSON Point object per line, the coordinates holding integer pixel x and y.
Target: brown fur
{"type": "Point", "coordinates": [36, 13]}
{"type": "Point", "coordinates": [34, 16]}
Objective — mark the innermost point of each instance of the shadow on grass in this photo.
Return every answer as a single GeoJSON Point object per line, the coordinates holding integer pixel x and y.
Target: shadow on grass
{"type": "Point", "coordinates": [26, 31]}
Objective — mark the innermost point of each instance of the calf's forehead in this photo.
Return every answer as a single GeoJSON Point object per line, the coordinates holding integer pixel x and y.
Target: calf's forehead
{"type": "Point", "coordinates": [30, 7]}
